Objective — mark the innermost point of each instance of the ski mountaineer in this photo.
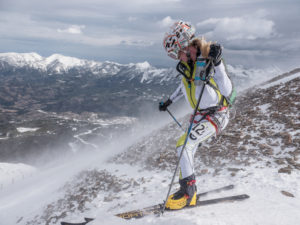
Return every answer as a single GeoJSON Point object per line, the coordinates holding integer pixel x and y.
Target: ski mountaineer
{"type": "Point", "coordinates": [199, 62]}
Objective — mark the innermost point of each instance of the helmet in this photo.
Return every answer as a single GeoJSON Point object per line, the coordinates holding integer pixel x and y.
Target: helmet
{"type": "Point", "coordinates": [178, 37]}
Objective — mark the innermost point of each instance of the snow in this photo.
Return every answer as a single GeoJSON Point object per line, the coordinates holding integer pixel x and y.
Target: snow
{"type": "Point", "coordinates": [21, 59]}
{"type": "Point", "coordinates": [280, 81]}
{"type": "Point", "coordinates": [10, 173]}
{"type": "Point", "coordinates": [143, 66]}
{"type": "Point", "coordinates": [246, 78]}
{"type": "Point", "coordinates": [264, 185]}
{"type": "Point", "coordinates": [26, 129]}
{"type": "Point", "coordinates": [65, 60]}
{"type": "Point", "coordinates": [264, 107]}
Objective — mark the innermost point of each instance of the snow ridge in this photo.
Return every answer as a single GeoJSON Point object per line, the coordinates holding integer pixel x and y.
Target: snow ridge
{"type": "Point", "coordinates": [58, 64]}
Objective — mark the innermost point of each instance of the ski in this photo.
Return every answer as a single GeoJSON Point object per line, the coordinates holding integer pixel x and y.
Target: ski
{"type": "Point", "coordinates": [225, 188]}
{"type": "Point", "coordinates": [156, 209]}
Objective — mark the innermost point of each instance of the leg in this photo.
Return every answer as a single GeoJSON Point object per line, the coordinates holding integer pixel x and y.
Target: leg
{"type": "Point", "coordinates": [187, 193]}
{"type": "Point", "coordinates": [199, 133]}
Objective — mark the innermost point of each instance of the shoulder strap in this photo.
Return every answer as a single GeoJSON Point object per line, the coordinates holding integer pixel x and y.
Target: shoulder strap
{"type": "Point", "coordinates": [231, 98]}
{"type": "Point", "coordinates": [182, 68]}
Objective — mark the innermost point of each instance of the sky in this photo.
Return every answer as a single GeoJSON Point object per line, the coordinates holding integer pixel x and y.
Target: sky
{"type": "Point", "coordinates": [254, 33]}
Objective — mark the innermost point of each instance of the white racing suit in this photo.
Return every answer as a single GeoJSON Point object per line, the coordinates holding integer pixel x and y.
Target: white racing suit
{"type": "Point", "coordinates": [205, 124]}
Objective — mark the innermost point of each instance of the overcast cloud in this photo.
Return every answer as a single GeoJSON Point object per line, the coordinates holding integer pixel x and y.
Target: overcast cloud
{"type": "Point", "coordinates": [253, 32]}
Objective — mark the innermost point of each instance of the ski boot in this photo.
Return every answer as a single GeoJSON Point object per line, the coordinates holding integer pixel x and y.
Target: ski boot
{"type": "Point", "coordinates": [186, 196]}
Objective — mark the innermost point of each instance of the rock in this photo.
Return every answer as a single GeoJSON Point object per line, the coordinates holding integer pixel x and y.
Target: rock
{"type": "Point", "coordinates": [234, 169]}
{"type": "Point", "coordinates": [247, 137]}
{"type": "Point", "coordinates": [204, 171]}
{"type": "Point", "coordinates": [280, 161]}
{"type": "Point", "coordinates": [266, 149]}
{"type": "Point", "coordinates": [297, 166]}
{"type": "Point", "coordinates": [243, 148]}
{"type": "Point", "coordinates": [108, 198]}
{"type": "Point", "coordinates": [288, 194]}
{"type": "Point", "coordinates": [287, 137]}
{"type": "Point", "coordinates": [291, 161]}
{"type": "Point", "coordinates": [287, 169]}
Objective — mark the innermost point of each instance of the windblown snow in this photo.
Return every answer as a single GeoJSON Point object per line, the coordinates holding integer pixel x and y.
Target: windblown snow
{"type": "Point", "coordinates": [258, 153]}
{"type": "Point", "coordinates": [12, 172]}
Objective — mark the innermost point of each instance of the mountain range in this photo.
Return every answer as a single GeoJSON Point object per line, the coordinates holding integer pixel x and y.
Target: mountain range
{"type": "Point", "coordinates": [71, 100]}
{"type": "Point", "coordinates": [60, 83]}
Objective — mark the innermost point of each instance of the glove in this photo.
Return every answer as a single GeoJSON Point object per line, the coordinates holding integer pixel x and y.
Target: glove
{"type": "Point", "coordinates": [164, 105]}
{"type": "Point", "coordinates": [215, 53]}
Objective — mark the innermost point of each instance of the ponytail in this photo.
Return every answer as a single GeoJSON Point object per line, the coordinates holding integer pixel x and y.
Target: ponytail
{"type": "Point", "coordinates": [202, 44]}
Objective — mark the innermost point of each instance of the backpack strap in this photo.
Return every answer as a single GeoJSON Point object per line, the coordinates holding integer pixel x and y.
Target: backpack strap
{"type": "Point", "coordinates": [181, 68]}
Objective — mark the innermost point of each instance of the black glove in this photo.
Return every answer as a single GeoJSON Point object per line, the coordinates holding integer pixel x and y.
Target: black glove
{"type": "Point", "coordinates": [215, 53]}
{"type": "Point", "coordinates": [164, 105]}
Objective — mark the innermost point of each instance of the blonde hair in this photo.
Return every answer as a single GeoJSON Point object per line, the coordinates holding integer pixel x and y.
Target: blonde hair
{"type": "Point", "coordinates": [202, 44]}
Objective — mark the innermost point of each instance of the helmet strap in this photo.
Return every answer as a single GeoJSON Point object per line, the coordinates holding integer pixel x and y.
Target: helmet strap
{"type": "Point", "coordinates": [190, 62]}
{"type": "Point", "coordinates": [188, 55]}
{"type": "Point", "coordinates": [198, 52]}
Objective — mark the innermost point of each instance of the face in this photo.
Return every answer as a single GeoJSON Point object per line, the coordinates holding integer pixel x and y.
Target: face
{"type": "Point", "coordinates": [183, 56]}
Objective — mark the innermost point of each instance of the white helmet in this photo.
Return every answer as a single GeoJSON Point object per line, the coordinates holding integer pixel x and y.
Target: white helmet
{"type": "Point", "coordinates": [178, 37]}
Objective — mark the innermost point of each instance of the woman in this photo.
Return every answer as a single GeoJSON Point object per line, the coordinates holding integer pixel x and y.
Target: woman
{"type": "Point", "coordinates": [203, 76]}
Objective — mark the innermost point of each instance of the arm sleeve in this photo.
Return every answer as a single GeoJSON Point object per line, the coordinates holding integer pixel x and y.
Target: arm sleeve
{"type": "Point", "coordinates": [222, 80]}
{"type": "Point", "coordinates": [177, 94]}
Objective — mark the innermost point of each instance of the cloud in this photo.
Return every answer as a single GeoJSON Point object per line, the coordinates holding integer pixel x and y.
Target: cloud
{"type": "Point", "coordinates": [89, 26]}
{"type": "Point", "coordinates": [234, 28]}
{"type": "Point", "coordinates": [132, 18]}
{"type": "Point", "coordinates": [137, 43]}
{"type": "Point", "coordinates": [166, 22]}
{"type": "Point", "coordinates": [74, 29]}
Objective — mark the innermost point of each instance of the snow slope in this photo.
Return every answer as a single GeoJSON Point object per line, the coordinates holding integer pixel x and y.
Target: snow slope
{"type": "Point", "coordinates": [11, 173]}
{"type": "Point", "coordinates": [258, 153]}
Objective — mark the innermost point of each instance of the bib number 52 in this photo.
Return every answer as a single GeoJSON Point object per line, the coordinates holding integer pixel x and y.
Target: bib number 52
{"type": "Point", "coordinates": [197, 131]}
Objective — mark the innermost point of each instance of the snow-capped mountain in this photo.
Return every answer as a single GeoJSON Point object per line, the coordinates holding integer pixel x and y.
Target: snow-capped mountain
{"type": "Point", "coordinates": [60, 83]}
{"type": "Point", "coordinates": [65, 82]}
{"type": "Point", "coordinates": [59, 64]}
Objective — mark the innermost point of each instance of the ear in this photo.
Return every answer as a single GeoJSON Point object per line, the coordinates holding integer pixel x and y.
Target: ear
{"type": "Point", "coordinates": [193, 52]}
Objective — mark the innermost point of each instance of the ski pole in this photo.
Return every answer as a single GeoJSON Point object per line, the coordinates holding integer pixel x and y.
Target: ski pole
{"type": "Point", "coordinates": [175, 120]}
{"type": "Point", "coordinates": [185, 142]}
